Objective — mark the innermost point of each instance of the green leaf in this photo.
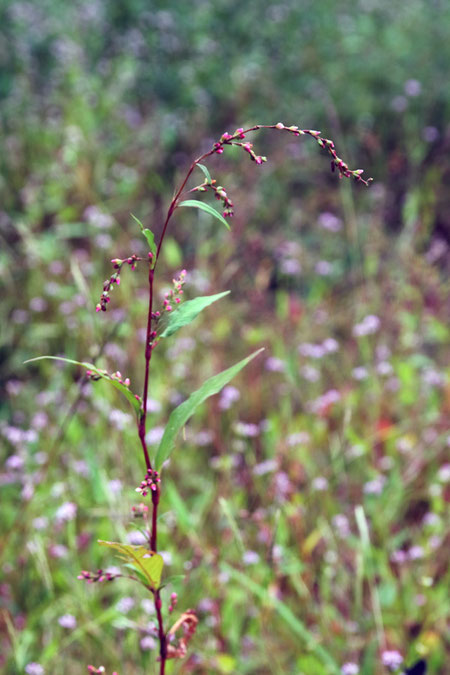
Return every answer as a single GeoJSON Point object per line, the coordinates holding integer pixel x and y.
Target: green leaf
{"type": "Point", "coordinates": [142, 578]}
{"type": "Point", "coordinates": [180, 415]}
{"type": "Point", "coordinates": [146, 562]}
{"type": "Point", "coordinates": [132, 400]}
{"type": "Point", "coordinates": [206, 172]}
{"type": "Point", "coordinates": [148, 234]}
{"type": "Point", "coordinates": [195, 204]}
{"type": "Point", "coordinates": [138, 221]}
{"type": "Point", "coordinates": [187, 312]}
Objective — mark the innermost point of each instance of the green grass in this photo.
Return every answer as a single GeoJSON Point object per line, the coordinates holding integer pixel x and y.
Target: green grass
{"type": "Point", "coordinates": [280, 583]}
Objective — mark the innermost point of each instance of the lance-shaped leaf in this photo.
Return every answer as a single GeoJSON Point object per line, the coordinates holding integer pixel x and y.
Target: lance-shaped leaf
{"type": "Point", "coordinates": [180, 415]}
{"type": "Point", "coordinates": [102, 374]}
{"type": "Point", "coordinates": [206, 172]}
{"type": "Point", "coordinates": [187, 312]}
{"type": "Point", "coordinates": [195, 204]}
{"type": "Point", "coordinates": [148, 234]}
{"type": "Point", "coordinates": [146, 562]}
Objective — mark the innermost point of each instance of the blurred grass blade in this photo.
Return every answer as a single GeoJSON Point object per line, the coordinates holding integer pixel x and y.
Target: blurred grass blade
{"type": "Point", "coordinates": [102, 374]}
{"type": "Point", "coordinates": [88, 629]}
{"type": "Point", "coordinates": [367, 557]}
{"type": "Point", "coordinates": [79, 279]}
{"type": "Point", "coordinates": [180, 415]}
{"type": "Point", "coordinates": [297, 626]}
{"type": "Point", "coordinates": [195, 204]}
{"type": "Point", "coordinates": [232, 523]}
{"type": "Point", "coordinates": [186, 520]}
{"type": "Point", "coordinates": [187, 312]}
{"type": "Point", "coordinates": [363, 528]}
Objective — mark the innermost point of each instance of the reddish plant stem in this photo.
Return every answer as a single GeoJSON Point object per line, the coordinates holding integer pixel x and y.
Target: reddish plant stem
{"type": "Point", "coordinates": [155, 493]}
{"type": "Point", "coordinates": [142, 421]}
{"type": "Point", "coordinates": [162, 635]}
{"type": "Point", "coordinates": [323, 142]}
{"type": "Point", "coordinates": [154, 536]}
{"type": "Point", "coordinates": [143, 418]}
{"type": "Point", "coordinates": [343, 169]}
{"type": "Point", "coordinates": [173, 204]}
{"type": "Point", "coordinates": [148, 355]}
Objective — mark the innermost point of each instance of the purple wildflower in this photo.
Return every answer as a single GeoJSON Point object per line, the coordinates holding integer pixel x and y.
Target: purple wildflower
{"type": "Point", "coordinates": [392, 659]}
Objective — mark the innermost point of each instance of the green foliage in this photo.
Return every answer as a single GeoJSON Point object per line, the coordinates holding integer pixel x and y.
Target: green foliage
{"type": "Point", "coordinates": [184, 412]}
{"type": "Point", "coordinates": [147, 564]}
{"type": "Point", "coordinates": [310, 642]}
{"type": "Point", "coordinates": [149, 236]}
{"type": "Point", "coordinates": [100, 374]}
{"type": "Point", "coordinates": [205, 172]}
{"type": "Point", "coordinates": [185, 313]}
{"type": "Point", "coordinates": [102, 105]}
{"type": "Point", "coordinates": [193, 203]}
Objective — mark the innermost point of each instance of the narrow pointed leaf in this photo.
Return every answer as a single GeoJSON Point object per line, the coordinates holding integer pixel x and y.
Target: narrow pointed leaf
{"type": "Point", "coordinates": [147, 562]}
{"type": "Point", "coordinates": [148, 234]}
{"type": "Point", "coordinates": [206, 172]}
{"type": "Point", "coordinates": [195, 204]}
{"type": "Point", "coordinates": [138, 221]}
{"type": "Point", "coordinates": [132, 400]}
{"type": "Point", "coordinates": [187, 312]}
{"type": "Point", "coordinates": [180, 415]}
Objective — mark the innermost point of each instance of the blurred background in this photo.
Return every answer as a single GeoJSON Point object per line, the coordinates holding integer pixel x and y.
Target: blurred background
{"type": "Point", "coordinates": [306, 506]}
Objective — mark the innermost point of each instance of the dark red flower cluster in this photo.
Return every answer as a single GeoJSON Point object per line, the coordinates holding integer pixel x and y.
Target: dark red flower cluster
{"type": "Point", "coordinates": [114, 279]}
{"type": "Point", "coordinates": [99, 575]}
{"type": "Point", "coordinates": [150, 482]}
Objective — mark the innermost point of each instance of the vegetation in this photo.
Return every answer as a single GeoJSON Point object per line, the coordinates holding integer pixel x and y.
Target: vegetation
{"type": "Point", "coordinates": [303, 516]}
